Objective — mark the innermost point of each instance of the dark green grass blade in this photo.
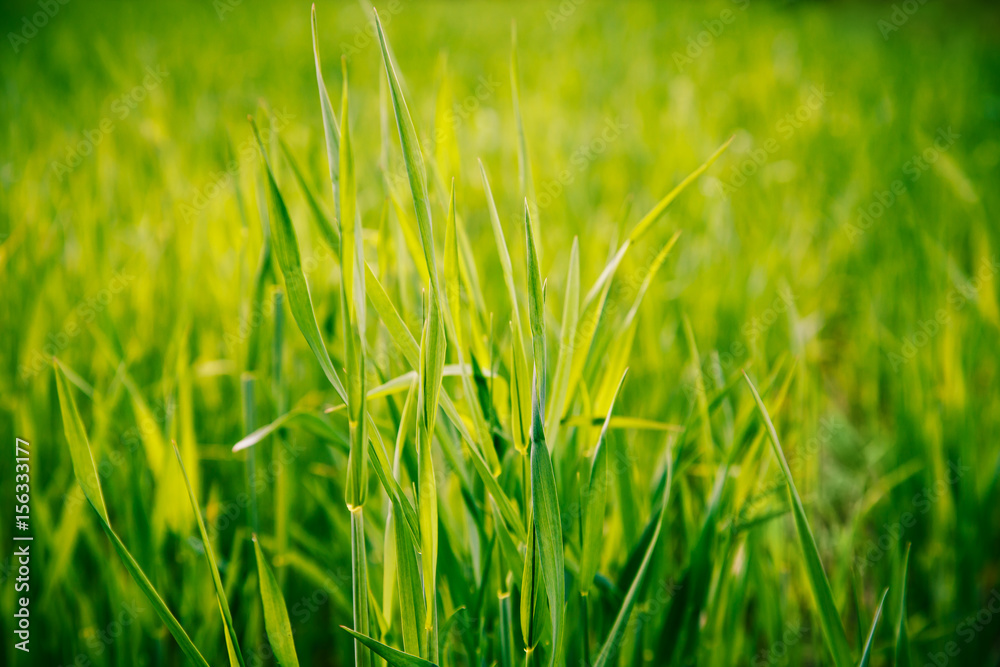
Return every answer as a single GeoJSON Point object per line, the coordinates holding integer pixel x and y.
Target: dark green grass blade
{"type": "Point", "coordinates": [86, 476]}
{"type": "Point", "coordinates": [232, 642]}
{"type": "Point", "coordinates": [833, 628]}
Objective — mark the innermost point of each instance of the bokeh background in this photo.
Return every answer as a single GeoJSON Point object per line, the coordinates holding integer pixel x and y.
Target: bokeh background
{"type": "Point", "coordinates": [849, 233]}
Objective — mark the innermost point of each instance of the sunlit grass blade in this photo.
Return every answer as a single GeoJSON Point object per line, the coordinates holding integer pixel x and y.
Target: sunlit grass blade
{"type": "Point", "coordinates": [536, 308]}
{"type": "Point", "coordinates": [232, 638]}
{"type": "Point", "coordinates": [523, 157]}
{"type": "Point", "coordinates": [548, 527]}
{"type": "Point", "coordinates": [303, 417]}
{"type": "Point", "coordinates": [866, 654]}
{"type": "Point", "coordinates": [330, 130]}
{"type": "Point", "coordinates": [394, 657]}
{"type": "Point", "coordinates": [567, 332]}
{"type": "Point", "coordinates": [84, 468]}
{"type": "Point", "coordinates": [833, 628]}
{"type": "Point", "coordinates": [414, 162]}
{"type": "Point", "coordinates": [286, 251]}
{"type": "Point", "coordinates": [86, 476]}
{"type": "Point", "coordinates": [279, 628]}
{"type": "Point", "coordinates": [613, 643]}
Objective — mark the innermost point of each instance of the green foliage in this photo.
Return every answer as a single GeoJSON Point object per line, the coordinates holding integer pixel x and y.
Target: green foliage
{"type": "Point", "coordinates": [407, 387]}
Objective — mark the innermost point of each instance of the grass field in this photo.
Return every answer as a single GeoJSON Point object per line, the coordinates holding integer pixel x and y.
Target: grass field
{"type": "Point", "coordinates": [683, 315]}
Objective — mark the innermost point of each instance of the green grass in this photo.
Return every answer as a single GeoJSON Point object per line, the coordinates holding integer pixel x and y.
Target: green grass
{"type": "Point", "coordinates": [542, 335]}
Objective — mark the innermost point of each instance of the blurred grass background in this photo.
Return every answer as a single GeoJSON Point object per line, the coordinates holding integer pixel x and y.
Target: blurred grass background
{"type": "Point", "coordinates": [121, 237]}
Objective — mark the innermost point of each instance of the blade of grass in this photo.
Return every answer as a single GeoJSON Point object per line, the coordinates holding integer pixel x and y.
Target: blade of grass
{"type": "Point", "coordinates": [279, 628]}
{"type": "Point", "coordinates": [394, 657]}
{"type": "Point", "coordinates": [595, 499]}
{"type": "Point", "coordinates": [833, 628]}
{"type": "Point", "coordinates": [86, 475]}
{"type": "Point", "coordinates": [232, 639]}
{"type": "Point", "coordinates": [286, 250]}
{"type": "Point", "coordinates": [548, 527]}
{"type": "Point", "coordinates": [613, 643]}
{"type": "Point", "coordinates": [870, 642]}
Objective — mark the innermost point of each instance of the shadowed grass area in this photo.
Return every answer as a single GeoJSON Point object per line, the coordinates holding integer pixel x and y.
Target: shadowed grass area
{"type": "Point", "coordinates": [388, 337]}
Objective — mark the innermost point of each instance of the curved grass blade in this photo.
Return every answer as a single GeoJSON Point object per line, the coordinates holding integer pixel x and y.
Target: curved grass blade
{"type": "Point", "coordinates": [867, 653]}
{"type": "Point", "coordinates": [833, 628]}
{"type": "Point", "coordinates": [84, 467]}
{"type": "Point", "coordinates": [393, 656]}
{"type": "Point", "coordinates": [86, 475]}
{"type": "Point", "coordinates": [279, 628]}
{"type": "Point", "coordinates": [286, 250]}
{"type": "Point", "coordinates": [232, 639]}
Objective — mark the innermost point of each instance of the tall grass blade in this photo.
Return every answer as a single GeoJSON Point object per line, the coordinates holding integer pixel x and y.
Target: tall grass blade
{"type": "Point", "coordinates": [286, 251]}
{"type": "Point", "coordinates": [232, 639]}
{"type": "Point", "coordinates": [833, 628]}
{"type": "Point", "coordinates": [86, 476]}
{"type": "Point", "coordinates": [394, 657]}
